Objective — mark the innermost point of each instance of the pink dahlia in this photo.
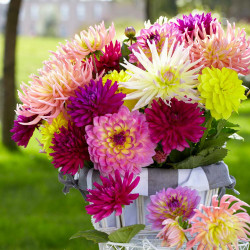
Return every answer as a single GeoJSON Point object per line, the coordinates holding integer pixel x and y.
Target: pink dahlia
{"type": "Point", "coordinates": [23, 133]}
{"type": "Point", "coordinates": [70, 149]}
{"type": "Point", "coordinates": [172, 234]}
{"type": "Point", "coordinates": [120, 141]}
{"type": "Point", "coordinates": [188, 24]}
{"type": "Point", "coordinates": [110, 59]}
{"type": "Point", "coordinates": [220, 225]}
{"type": "Point", "coordinates": [158, 34]}
{"type": "Point", "coordinates": [220, 49]}
{"type": "Point", "coordinates": [94, 100]}
{"type": "Point", "coordinates": [171, 203]}
{"type": "Point", "coordinates": [160, 157]}
{"type": "Point", "coordinates": [94, 39]}
{"type": "Point", "coordinates": [48, 93]}
{"type": "Point", "coordinates": [112, 195]}
{"type": "Point", "coordinates": [174, 123]}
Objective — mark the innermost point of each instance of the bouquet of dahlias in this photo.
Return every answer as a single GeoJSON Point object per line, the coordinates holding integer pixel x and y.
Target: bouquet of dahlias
{"type": "Point", "coordinates": [160, 98]}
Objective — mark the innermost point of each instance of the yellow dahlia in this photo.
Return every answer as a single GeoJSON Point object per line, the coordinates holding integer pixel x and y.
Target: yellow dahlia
{"type": "Point", "coordinates": [221, 91]}
{"type": "Point", "coordinates": [169, 74]}
{"type": "Point", "coordinates": [48, 131]}
{"type": "Point", "coordinates": [122, 76]}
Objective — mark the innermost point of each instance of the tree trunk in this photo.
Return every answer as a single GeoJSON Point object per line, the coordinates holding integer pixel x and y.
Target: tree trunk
{"type": "Point", "coordinates": [9, 90]}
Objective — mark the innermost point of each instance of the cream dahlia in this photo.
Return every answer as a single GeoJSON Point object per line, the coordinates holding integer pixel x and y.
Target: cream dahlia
{"type": "Point", "coordinates": [168, 75]}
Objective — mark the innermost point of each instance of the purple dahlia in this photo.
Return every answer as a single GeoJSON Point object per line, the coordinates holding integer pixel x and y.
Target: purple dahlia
{"type": "Point", "coordinates": [97, 99]}
{"type": "Point", "coordinates": [70, 149]}
{"type": "Point", "coordinates": [23, 133]}
{"type": "Point", "coordinates": [171, 203]}
{"type": "Point", "coordinates": [187, 24]}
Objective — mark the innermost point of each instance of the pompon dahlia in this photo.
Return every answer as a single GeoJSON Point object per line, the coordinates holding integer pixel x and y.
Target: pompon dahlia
{"type": "Point", "coordinates": [220, 225]}
{"type": "Point", "coordinates": [110, 58]}
{"type": "Point", "coordinates": [48, 130]}
{"type": "Point", "coordinates": [97, 99]}
{"type": "Point", "coordinates": [47, 94]}
{"type": "Point", "coordinates": [172, 234]}
{"type": "Point", "coordinates": [172, 203]}
{"type": "Point", "coordinates": [23, 133]}
{"type": "Point", "coordinates": [112, 195]}
{"type": "Point", "coordinates": [121, 142]}
{"type": "Point", "coordinates": [221, 91]}
{"type": "Point", "coordinates": [70, 149]}
{"type": "Point", "coordinates": [188, 24]}
{"type": "Point", "coordinates": [156, 34]}
{"type": "Point", "coordinates": [95, 38]}
{"type": "Point", "coordinates": [220, 49]}
{"type": "Point", "coordinates": [168, 75]}
{"type": "Point", "coordinates": [174, 124]}
{"type": "Point", "coordinates": [118, 77]}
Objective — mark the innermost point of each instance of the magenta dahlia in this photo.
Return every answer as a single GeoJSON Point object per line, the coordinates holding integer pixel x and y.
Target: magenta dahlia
{"type": "Point", "coordinates": [97, 99]}
{"type": "Point", "coordinates": [23, 133]}
{"type": "Point", "coordinates": [70, 149]}
{"type": "Point", "coordinates": [174, 124]}
{"type": "Point", "coordinates": [171, 203]}
{"type": "Point", "coordinates": [188, 23]}
{"type": "Point", "coordinates": [110, 59]}
{"type": "Point", "coordinates": [112, 195]}
{"type": "Point", "coordinates": [120, 141]}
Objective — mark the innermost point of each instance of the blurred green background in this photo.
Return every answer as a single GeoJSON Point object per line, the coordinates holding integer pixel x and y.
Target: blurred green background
{"type": "Point", "coordinates": [34, 213]}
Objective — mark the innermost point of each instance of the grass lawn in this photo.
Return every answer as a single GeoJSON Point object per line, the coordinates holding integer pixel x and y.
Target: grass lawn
{"type": "Point", "coordinates": [34, 213]}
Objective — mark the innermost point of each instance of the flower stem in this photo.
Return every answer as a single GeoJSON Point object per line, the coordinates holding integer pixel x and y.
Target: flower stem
{"type": "Point", "coordinates": [187, 240]}
{"type": "Point", "coordinates": [203, 138]}
{"type": "Point", "coordinates": [120, 219]}
{"type": "Point", "coordinates": [93, 59]}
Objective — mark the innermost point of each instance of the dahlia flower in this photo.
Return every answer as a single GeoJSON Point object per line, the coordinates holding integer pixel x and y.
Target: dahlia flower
{"type": "Point", "coordinates": [220, 49]}
{"type": "Point", "coordinates": [70, 149]}
{"type": "Point", "coordinates": [120, 141]}
{"type": "Point", "coordinates": [48, 130]}
{"type": "Point", "coordinates": [172, 203]}
{"type": "Point", "coordinates": [161, 20]}
{"type": "Point", "coordinates": [156, 34]}
{"type": "Point", "coordinates": [23, 133]}
{"type": "Point", "coordinates": [221, 91]}
{"type": "Point", "coordinates": [188, 24]}
{"type": "Point", "coordinates": [95, 38]}
{"type": "Point", "coordinates": [174, 124]}
{"type": "Point", "coordinates": [110, 59]}
{"type": "Point", "coordinates": [160, 157]}
{"type": "Point", "coordinates": [122, 76]}
{"type": "Point", "coordinates": [172, 234]}
{"type": "Point", "coordinates": [48, 93]}
{"type": "Point", "coordinates": [112, 195]}
{"type": "Point", "coordinates": [221, 225]}
{"type": "Point", "coordinates": [97, 99]}
{"type": "Point", "coordinates": [168, 75]}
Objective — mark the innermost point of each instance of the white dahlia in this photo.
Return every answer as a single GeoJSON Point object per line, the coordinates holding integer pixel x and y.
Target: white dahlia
{"type": "Point", "coordinates": [170, 74]}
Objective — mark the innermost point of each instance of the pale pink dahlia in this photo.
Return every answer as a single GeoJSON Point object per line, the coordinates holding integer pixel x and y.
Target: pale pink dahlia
{"type": "Point", "coordinates": [120, 141]}
{"type": "Point", "coordinates": [172, 234]}
{"type": "Point", "coordinates": [172, 203]}
{"type": "Point", "coordinates": [158, 34]}
{"type": "Point", "coordinates": [48, 93]}
{"type": "Point", "coordinates": [220, 225]}
{"type": "Point", "coordinates": [220, 49]}
{"type": "Point", "coordinates": [70, 149]}
{"type": "Point", "coordinates": [95, 38]}
{"type": "Point", "coordinates": [174, 123]}
{"type": "Point", "coordinates": [112, 195]}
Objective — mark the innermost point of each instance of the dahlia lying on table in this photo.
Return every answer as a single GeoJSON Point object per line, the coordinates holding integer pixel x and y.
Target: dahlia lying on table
{"type": "Point", "coordinates": [161, 98]}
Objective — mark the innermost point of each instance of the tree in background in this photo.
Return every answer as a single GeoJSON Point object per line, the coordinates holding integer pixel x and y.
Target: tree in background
{"type": "Point", "coordinates": [8, 82]}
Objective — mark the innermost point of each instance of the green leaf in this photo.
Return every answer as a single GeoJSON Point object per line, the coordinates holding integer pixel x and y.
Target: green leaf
{"type": "Point", "coordinates": [125, 234]}
{"type": "Point", "coordinates": [203, 158]}
{"type": "Point", "coordinates": [125, 52]}
{"type": "Point", "coordinates": [231, 125]}
{"type": "Point", "coordinates": [94, 235]}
